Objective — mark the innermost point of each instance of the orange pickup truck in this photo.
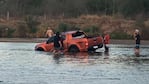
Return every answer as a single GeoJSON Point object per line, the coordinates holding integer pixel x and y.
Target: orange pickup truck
{"type": "Point", "coordinates": [73, 41]}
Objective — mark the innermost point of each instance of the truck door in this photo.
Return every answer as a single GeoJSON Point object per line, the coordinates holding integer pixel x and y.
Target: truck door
{"type": "Point", "coordinates": [92, 41]}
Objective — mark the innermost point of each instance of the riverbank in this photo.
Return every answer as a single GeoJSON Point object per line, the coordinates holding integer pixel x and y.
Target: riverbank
{"type": "Point", "coordinates": [38, 40]}
{"type": "Point", "coordinates": [35, 40]}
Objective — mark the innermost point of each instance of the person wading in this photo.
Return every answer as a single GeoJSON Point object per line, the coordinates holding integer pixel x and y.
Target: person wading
{"type": "Point", "coordinates": [106, 41]}
{"type": "Point", "coordinates": [49, 32]}
{"type": "Point", "coordinates": [57, 43]}
{"type": "Point", "coordinates": [137, 41]}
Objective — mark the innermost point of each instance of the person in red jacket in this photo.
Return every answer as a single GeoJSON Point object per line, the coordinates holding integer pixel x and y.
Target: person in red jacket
{"type": "Point", "coordinates": [106, 41]}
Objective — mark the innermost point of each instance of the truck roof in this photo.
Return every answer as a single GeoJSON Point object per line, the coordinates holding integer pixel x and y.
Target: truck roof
{"type": "Point", "coordinates": [71, 32]}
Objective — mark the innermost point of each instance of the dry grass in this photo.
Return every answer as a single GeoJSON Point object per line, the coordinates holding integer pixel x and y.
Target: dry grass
{"type": "Point", "coordinates": [105, 23]}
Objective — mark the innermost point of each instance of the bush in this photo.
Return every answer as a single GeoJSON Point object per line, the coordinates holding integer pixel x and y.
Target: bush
{"type": "Point", "coordinates": [93, 30]}
{"type": "Point", "coordinates": [22, 29]}
{"type": "Point", "coordinates": [66, 27]}
{"type": "Point", "coordinates": [6, 31]}
{"type": "Point", "coordinates": [145, 33]}
{"type": "Point", "coordinates": [62, 27]}
{"type": "Point", "coordinates": [120, 35]}
{"type": "Point", "coordinates": [32, 24]}
{"type": "Point", "coordinates": [2, 30]}
{"type": "Point", "coordinates": [10, 32]}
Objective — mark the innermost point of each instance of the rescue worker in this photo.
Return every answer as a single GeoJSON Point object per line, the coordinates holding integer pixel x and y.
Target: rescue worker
{"type": "Point", "coordinates": [137, 41]}
{"type": "Point", "coordinates": [49, 32]}
{"type": "Point", "coordinates": [57, 42]}
{"type": "Point", "coordinates": [106, 41]}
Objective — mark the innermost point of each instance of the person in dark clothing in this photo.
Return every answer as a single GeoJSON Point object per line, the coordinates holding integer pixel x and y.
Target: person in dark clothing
{"type": "Point", "coordinates": [62, 40]}
{"type": "Point", "coordinates": [57, 39]}
{"type": "Point", "coordinates": [58, 44]}
{"type": "Point", "coordinates": [137, 40]}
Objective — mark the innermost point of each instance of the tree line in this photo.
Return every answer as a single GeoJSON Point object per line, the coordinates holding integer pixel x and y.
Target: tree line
{"type": "Point", "coordinates": [29, 24]}
{"type": "Point", "coordinates": [73, 8]}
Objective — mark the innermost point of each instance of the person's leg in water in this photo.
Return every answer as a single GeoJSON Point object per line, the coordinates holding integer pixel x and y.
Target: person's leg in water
{"type": "Point", "coordinates": [106, 48]}
{"type": "Point", "coordinates": [137, 49]}
{"type": "Point", "coordinates": [58, 50]}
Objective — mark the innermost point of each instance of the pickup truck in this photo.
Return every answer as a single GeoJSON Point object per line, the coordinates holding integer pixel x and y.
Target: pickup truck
{"type": "Point", "coordinates": [73, 41]}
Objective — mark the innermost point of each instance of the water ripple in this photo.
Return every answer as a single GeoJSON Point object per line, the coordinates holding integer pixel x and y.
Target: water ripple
{"type": "Point", "coordinates": [20, 64]}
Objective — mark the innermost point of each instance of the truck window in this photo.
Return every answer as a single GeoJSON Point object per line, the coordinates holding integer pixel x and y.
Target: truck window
{"type": "Point", "coordinates": [63, 37]}
{"type": "Point", "coordinates": [78, 35]}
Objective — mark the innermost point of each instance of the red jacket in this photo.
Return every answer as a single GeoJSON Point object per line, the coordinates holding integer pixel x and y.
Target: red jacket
{"type": "Point", "coordinates": [107, 39]}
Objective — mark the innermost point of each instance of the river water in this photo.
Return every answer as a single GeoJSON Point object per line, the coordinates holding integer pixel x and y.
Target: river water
{"type": "Point", "coordinates": [20, 64]}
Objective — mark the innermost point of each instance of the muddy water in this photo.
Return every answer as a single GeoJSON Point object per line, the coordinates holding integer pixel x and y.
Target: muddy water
{"type": "Point", "coordinates": [20, 64]}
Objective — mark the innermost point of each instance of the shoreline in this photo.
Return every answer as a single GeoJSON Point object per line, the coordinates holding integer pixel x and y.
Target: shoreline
{"type": "Point", "coordinates": [39, 40]}
{"type": "Point", "coordinates": [29, 40]}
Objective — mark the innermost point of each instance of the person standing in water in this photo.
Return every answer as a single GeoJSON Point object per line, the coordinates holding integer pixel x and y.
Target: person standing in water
{"type": "Point", "coordinates": [106, 41]}
{"type": "Point", "coordinates": [57, 42]}
{"type": "Point", "coordinates": [137, 41]}
{"type": "Point", "coordinates": [49, 32]}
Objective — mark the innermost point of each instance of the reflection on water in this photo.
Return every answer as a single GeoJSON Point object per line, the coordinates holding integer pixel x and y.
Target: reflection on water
{"type": "Point", "coordinates": [98, 57]}
{"type": "Point", "coordinates": [20, 64]}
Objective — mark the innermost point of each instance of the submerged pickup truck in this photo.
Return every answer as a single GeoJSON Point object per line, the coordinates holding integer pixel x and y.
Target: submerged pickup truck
{"type": "Point", "coordinates": [73, 41]}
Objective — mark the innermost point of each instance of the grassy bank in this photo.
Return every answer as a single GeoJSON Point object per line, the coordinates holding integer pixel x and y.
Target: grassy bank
{"type": "Point", "coordinates": [35, 27]}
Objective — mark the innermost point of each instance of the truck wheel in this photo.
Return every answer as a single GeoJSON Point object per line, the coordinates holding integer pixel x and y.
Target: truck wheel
{"type": "Point", "coordinates": [73, 49]}
{"type": "Point", "coordinates": [91, 49]}
{"type": "Point", "coordinates": [40, 49]}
